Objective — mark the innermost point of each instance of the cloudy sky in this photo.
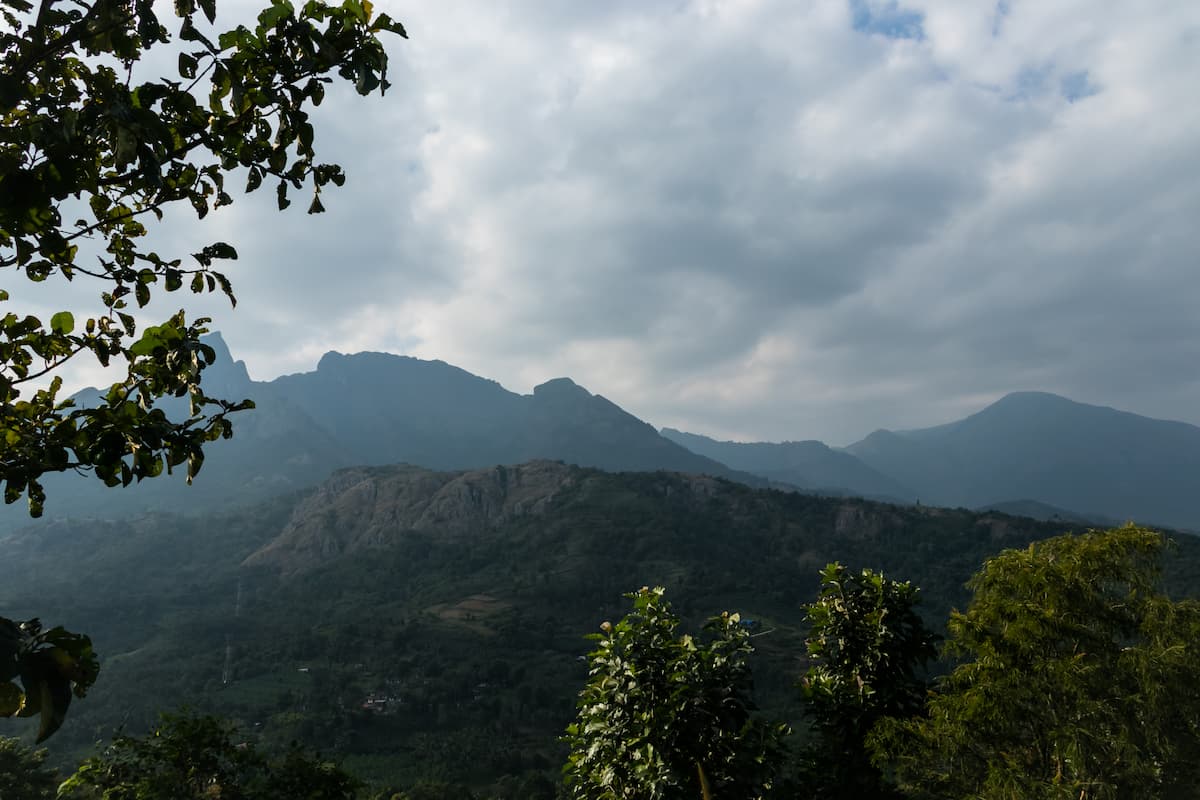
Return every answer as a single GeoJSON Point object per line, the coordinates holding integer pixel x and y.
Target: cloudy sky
{"type": "Point", "coordinates": [757, 220]}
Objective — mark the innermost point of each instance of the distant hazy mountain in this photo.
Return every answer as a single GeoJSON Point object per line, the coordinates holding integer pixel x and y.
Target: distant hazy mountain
{"type": "Point", "coordinates": [1046, 448]}
{"type": "Point", "coordinates": [1028, 450]}
{"type": "Point", "coordinates": [389, 409]}
{"type": "Point", "coordinates": [808, 465]}
{"type": "Point", "coordinates": [373, 409]}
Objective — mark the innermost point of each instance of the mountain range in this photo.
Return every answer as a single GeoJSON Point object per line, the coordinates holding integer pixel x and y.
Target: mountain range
{"type": "Point", "coordinates": [395, 560]}
{"type": "Point", "coordinates": [371, 409]}
{"type": "Point", "coordinates": [1032, 453]}
{"type": "Point", "coordinates": [1029, 452]}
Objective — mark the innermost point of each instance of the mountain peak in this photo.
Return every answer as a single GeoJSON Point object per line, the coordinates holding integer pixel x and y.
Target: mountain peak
{"type": "Point", "coordinates": [225, 377]}
{"type": "Point", "coordinates": [560, 387]}
{"type": "Point", "coordinates": [1032, 399]}
{"type": "Point", "coordinates": [217, 342]}
{"type": "Point", "coordinates": [330, 361]}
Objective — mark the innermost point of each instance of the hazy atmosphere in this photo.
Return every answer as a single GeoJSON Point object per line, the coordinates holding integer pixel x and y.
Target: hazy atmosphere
{"type": "Point", "coordinates": [753, 220]}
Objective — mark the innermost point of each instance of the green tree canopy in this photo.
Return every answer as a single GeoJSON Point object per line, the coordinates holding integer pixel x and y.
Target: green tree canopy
{"type": "Point", "coordinates": [200, 758]}
{"type": "Point", "coordinates": [867, 645]}
{"type": "Point", "coordinates": [23, 775]}
{"type": "Point", "coordinates": [665, 716]}
{"type": "Point", "coordinates": [1079, 680]}
{"type": "Point", "coordinates": [89, 154]}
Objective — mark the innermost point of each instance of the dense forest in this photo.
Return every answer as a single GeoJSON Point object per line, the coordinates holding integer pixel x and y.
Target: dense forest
{"type": "Point", "coordinates": [458, 656]}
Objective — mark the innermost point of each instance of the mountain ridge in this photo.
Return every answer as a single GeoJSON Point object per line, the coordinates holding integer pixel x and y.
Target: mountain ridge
{"type": "Point", "coordinates": [372, 408]}
{"type": "Point", "coordinates": [810, 465]}
{"type": "Point", "coordinates": [1054, 450]}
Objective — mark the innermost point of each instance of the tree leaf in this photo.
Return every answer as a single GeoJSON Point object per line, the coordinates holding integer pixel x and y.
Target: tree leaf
{"type": "Point", "coordinates": [63, 322]}
{"type": "Point", "coordinates": [11, 699]}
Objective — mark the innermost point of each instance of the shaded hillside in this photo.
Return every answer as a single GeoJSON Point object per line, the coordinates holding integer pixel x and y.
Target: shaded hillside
{"type": "Point", "coordinates": [1042, 447]}
{"type": "Point", "coordinates": [425, 623]}
{"type": "Point", "coordinates": [368, 507]}
{"type": "Point", "coordinates": [808, 465]}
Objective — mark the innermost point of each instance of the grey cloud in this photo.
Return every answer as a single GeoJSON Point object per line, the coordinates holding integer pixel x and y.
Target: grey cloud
{"type": "Point", "coordinates": [753, 219]}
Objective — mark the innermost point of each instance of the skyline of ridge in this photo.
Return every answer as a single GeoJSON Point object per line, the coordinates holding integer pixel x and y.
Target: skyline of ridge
{"type": "Point", "coordinates": [243, 367]}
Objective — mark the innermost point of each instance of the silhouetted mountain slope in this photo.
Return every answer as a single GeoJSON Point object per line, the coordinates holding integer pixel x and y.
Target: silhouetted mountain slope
{"type": "Point", "coordinates": [566, 422]}
{"type": "Point", "coordinates": [376, 409]}
{"type": "Point", "coordinates": [808, 465]}
{"type": "Point", "coordinates": [387, 409]}
{"type": "Point", "coordinates": [1037, 446]}
{"type": "Point", "coordinates": [372, 409]}
{"type": "Point", "coordinates": [394, 409]}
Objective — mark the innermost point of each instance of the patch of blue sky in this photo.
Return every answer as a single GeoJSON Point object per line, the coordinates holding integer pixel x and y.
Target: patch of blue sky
{"type": "Point", "coordinates": [887, 18]}
{"type": "Point", "coordinates": [1045, 80]}
{"type": "Point", "coordinates": [1031, 82]}
{"type": "Point", "coordinates": [1075, 86]}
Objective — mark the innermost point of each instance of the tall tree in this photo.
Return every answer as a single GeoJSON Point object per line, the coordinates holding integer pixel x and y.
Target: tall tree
{"type": "Point", "coordinates": [867, 646]}
{"type": "Point", "coordinates": [667, 717]}
{"type": "Point", "coordinates": [1080, 680]}
{"type": "Point", "coordinates": [89, 154]}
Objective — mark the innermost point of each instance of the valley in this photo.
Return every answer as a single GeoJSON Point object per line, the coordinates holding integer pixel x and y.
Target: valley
{"type": "Point", "coordinates": [430, 625]}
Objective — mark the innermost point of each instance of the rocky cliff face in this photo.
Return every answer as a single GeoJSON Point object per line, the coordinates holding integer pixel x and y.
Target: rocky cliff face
{"type": "Point", "coordinates": [367, 507]}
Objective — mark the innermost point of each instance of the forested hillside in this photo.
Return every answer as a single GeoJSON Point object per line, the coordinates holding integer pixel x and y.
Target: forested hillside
{"type": "Point", "coordinates": [423, 624]}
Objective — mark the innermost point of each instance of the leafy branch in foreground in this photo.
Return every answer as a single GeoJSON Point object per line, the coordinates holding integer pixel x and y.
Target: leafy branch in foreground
{"type": "Point", "coordinates": [40, 670]}
{"type": "Point", "coordinates": [81, 140]}
{"type": "Point", "coordinates": [90, 156]}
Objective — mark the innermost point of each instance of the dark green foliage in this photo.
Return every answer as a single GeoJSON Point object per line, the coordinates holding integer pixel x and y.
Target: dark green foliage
{"type": "Point", "coordinates": [666, 716]}
{"type": "Point", "coordinates": [198, 758]}
{"type": "Point", "coordinates": [23, 775]}
{"type": "Point", "coordinates": [51, 666]}
{"type": "Point", "coordinates": [1080, 680]}
{"type": "Point", "coordinates": [79, 137]}
{"type": "Point", "coordinates": [435, 791]}
{"type": "Point", "coordinates": [867, 645]}
{"type": "Point", "coordinates": [163, 589]}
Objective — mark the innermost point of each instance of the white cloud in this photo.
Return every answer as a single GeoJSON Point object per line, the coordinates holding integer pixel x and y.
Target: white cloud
{"type": "Point", "coordinates": [754, 219]}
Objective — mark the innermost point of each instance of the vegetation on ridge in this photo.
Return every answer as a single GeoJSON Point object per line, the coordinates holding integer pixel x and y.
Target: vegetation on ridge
{"type": "Point", "coordinates": [453, 656]}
